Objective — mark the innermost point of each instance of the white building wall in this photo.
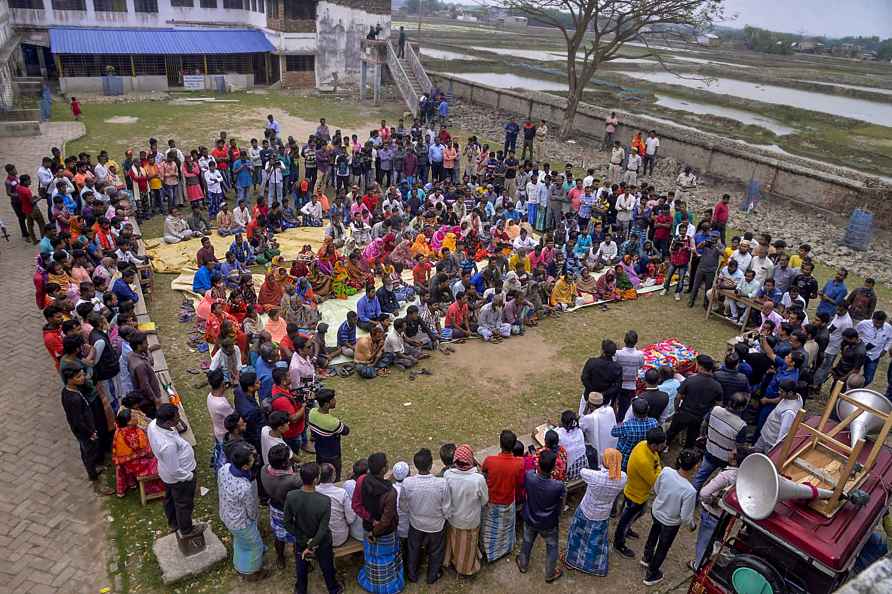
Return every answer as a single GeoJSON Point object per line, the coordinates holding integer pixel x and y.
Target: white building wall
{"type": "Point", "coordinates": [339, 33]}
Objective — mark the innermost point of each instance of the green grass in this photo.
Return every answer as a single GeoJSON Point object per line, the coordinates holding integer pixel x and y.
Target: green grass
{"type": "Point", "coordinates": [469, 398]}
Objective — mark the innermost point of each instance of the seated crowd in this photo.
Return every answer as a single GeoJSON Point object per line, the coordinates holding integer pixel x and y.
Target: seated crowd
{"type": "Point", "coordinates": [438, 257]}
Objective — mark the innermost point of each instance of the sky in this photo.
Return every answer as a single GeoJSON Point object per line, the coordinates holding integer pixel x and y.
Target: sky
{"type": "Point", "coordinates": [834, 18]}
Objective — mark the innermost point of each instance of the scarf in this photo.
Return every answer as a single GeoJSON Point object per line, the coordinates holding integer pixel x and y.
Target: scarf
{"type": "Point", "coordinates": [463, 457]}
{"type": "Point", "coordinates": [613, 461]}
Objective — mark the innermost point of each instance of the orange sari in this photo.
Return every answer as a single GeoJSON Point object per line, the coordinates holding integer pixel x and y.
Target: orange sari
{"type": "Point", "coordinates": [133, 459]}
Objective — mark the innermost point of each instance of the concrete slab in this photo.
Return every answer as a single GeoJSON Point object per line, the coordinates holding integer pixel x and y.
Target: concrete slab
{"type": "Point", "coordinates": [175, 567]}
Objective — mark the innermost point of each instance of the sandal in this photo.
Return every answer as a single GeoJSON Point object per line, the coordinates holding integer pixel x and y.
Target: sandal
{"type": "Point", "coordinates": [425, 371]}
{"type": "Point", "coordinates": [555, 576]}
{"type": "Point", "coordinates": [519, 568]}
{"type": "Point", "coordinates": [382, 372]}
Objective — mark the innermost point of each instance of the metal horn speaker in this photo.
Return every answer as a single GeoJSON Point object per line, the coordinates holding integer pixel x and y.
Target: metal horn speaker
{"type": "Point", "coordinates": [865, 423]}
{"type": "Point", "coordinates": [760, 487]}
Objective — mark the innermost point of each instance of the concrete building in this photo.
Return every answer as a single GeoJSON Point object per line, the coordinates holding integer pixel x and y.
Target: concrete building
{"type": "Point", "coordinates": [160, 44]}
{"type": "Point", "coordinates": [8, 55]}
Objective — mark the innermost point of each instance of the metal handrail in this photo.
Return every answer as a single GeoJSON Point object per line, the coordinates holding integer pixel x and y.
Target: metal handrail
{"type": "Point", "coordinates": [420, 74]}
{"type": "Point", "coordinates": [402, 79]}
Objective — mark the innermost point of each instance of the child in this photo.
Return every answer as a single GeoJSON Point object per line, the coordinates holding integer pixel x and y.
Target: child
{"type": "Point", "coordinates": [447, 452]}
{"type": "Point", "coordinates": [75, 108]}
{"type": "Point", "coordinates": [421, 273]}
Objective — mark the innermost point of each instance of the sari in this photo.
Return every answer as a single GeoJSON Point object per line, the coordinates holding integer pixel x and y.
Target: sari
{"type": "Point", "coordinates": [340, 282]}
{"type": "Point", "coordinates": [133, 459]}
{"type": "Point", "coordinates": [271, 291]}
{"type": "Point", "coordinates": [319, 281]}
{"type": "Point", "coordinates": [448, 242]}
{"type": "Point", "coordinates": [420, 246]}
{"type": "Point", "coordinates": [374, 252]}
{"type": "Point", "coordinates": [327, 257]}
{"type": "Point", "coordinates": [586, 283]}
{"type": "Point", "coordinates": [356, 276]}
{"type": "Point", "coordinates": [401, 256]}
{"type": "Point", "coordinates": [563, 293]}
{"type": "Point", "coordinates": [605, 287]}
{"type": "Point", "coordinates": [632, 276]}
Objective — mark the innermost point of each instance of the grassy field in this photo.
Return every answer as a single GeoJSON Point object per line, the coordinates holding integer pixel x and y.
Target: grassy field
{"type": "Point", "coordinates": [470, 397]}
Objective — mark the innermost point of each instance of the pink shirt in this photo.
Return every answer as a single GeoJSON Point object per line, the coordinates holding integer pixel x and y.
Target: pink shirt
{"type": "Point", "coordinates": [300, 369]}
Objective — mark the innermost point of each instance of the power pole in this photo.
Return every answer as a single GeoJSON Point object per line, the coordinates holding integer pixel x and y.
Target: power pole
{"type": "Point", "coordinates": [420, 2]}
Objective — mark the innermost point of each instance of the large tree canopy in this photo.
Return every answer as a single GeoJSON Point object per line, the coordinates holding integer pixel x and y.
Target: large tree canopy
{"type": "Point", "coordinates": [596, 30]}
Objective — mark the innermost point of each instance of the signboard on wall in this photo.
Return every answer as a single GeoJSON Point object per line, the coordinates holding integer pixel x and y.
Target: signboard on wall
{"type": "Point", "coordinates": [193, 82]}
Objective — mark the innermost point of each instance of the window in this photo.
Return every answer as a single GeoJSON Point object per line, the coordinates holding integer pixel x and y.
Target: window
{"type": "Point", "coordinates": [183, 3]}
{"type": "Point", "coordinates": [38, 4]}
{"type": "Point", "coordinates": [230, 63]}
{"type": "Point", "coordinates": [69, 5]}
{"type": "Point", "coordinates": [301, 10]}
{"type": "Point", "coordinates": [257, 6]}
{"type": "Point", "coordinates": [145, 5]}
{"type": "Point", "coordinates": [272, 8]}
{"type": "Point", "coordinates": [300, 63]}
{"type": "Point", "coordinates": [110, 5]}
{"type": "Point", "coordinates": [149, 65]}
{"type": "Point", "coordinates": [234, 4]}
{"type": "Point", "coordinates": [208, 3]}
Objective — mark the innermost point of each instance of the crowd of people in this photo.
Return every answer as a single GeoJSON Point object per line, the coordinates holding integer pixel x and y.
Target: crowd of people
{"type": "Point", "coordinates": [444, 244]}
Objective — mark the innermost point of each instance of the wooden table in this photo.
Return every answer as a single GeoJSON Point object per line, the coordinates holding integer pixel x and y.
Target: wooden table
{"type": "Point", "coordinates": [748, 303]}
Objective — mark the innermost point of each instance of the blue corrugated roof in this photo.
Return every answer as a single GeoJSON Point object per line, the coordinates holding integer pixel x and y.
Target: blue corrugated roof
{"type": "Point", "coordinates": [84, 40]}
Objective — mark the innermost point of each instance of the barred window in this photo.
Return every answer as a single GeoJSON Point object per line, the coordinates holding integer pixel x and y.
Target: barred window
{"type": "Point", "coordinates": [234, 4]}
{"type": "Point", "coordinates": [69, 5]}
{"type": "Point", "coordinates": [301, 11]}
{"type": "Point", "coordinates": [208, 3]}
{"type": "Point", "coordinates": [300, 63]}
{"type": "Point", "coordinates": [149, 65]}
{"type": "Point", "coordinates": [110, 5]}
{"type": "Point", "coordinates": [183, 3]}
{"type": "Point", "coordinates": [145, 5]}
{"type": "Point", "coordinates": [33, 4]}
{"type": "Point", "coordinates": [272, 8]}
{"type": "Point", "coordinates": [230, 63]}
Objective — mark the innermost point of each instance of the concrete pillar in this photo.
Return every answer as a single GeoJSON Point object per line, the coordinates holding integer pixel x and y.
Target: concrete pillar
{"type": "Point", "coordinates": [376, 85]}
{"type": "Point", "coordinates": [363, 79]}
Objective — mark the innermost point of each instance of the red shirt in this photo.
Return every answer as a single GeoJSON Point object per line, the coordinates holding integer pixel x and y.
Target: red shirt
{"type": "Point", "coordinates": [456, 315]}
{"type": "Point", "coordinates": [575, 196]}
{"type": "Point", "coordinates": [283, 401]}
{"type": "Point", "coordinates": [370, 202]}
{"type": "Point", "coordinates": [52, 340]}
{"type": "Point", "coordinates": [25, 196]}
{"type": "Point", "coordinates": [504, 474]}
{"type": "Point", "coordinates": [720, 213]}
{"type": "Point", "coordinates": [681, 256]}
{"type": "Point", "coordinates": [661, 233]}
{"type": "Point", "coordinates": [420, 272]}
{"type": "Point", "coordinates": [222, 157]}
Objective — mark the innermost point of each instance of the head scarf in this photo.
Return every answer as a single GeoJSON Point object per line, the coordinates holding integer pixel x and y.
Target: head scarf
{"type": "Point", "coordinates": [463, 457]}
{"type": "Point", "coordinates": [613, 461]}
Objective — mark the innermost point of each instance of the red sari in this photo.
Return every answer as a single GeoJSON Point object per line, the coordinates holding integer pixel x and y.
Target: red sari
{"type": "Point", "coordinates": [133, 459]}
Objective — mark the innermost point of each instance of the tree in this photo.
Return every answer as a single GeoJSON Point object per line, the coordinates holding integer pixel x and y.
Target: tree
{"type": "Point", "coordinates": [598, 29]}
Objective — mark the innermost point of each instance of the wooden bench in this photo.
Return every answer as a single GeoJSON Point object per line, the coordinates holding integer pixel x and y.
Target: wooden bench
{"type": "Point", "coordinates": [351, 547]}
{"type": "Point", "coordinates": [143, 496]}
{"type": "Point", "coordinates": [748, 303]}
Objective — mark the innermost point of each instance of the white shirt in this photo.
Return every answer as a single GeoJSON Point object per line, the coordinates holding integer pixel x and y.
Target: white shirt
{"type": "Point", "coordinates": [880, 338]}
{"type": "Point", "coordinates": [675, 499]}
{"type": "Point", "coordinates": [176, 460]}
{"type": "Point", "coordinates": [526, 243]}
{"type": "Point", "coordinates": [596, 427]}
{"type": "Point", "coordinates": [342, 514]}
{"type": "Point", "coordinates": [617, 155]}
{"type": "Point", "coordinates": [607, 251]}
{"type": "Point", "coordinates": [213, 179]}
{"type": "Point", "coordinates": [600, 493]}
{"type": "Point", "coordinates": [44, 178]}
{"type": "Point", "coordinates": [763, 267]}
{"type": "Point", "coordinates": [101, 172]}
{"type": "Point", "coordinates": [787, 301]}
{"type": "Point", "coordinates": [633, 163]}
{"type": "Point", "coordinates": [743, 260]}
{"type": "Point", "coordinates": [574, 442]}
{"type": "Point", "coordinates": [313, 209]}
{"type": "Point", "coordinates": [267, 441]}
{"type": "Point", "coordinates": [651, 145]}
{"type": "Point", "coordinates": [427, 500]}
{"type": "Point", "coordinates": [838, 323]}
{"type": "Point", "coordinates": [241, 216]}
{"type": "Point", "coordinates": [356, 530]}
{"type": "Point", "coordinates": [468, 494]}
{"type": "Point", "coordinates": [625, 204]}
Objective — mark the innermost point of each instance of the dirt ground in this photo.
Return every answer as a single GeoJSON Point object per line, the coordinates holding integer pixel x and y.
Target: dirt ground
{"type": "Point", "coordinates": [297, 127]}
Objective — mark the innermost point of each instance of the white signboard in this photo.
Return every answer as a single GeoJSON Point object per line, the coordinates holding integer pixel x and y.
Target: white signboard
{"type": "Point", "coordinates": [193, 82]}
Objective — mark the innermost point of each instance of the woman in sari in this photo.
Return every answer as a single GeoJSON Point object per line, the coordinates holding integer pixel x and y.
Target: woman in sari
{"type": "Point", "coordinates": [326, 257]}
{"type": "Point", "coordinates": [605, 287]}
{"type": "Point", "coordinates": [401, 257]}
{"type": "Point", "coordinates": [448, 243]}
{"type": "Point", "coordinates": [439, 235]}
{"type": "Point", "coordinates": [420, 246]}
{"type": "Point", "coordinates": [304, 290]}
{"type": "Point", "coordinates": [356, 276]}
{"type": "Point", "coordinates": [192, 175]}
{"type": "Point", "coordinates": [320, 281]}
{"type": "Point", "coordinates": [638, 143]}
{"type": "Point", "coordinates": [629, 268]}
{"type": "Point", "coordinates": [587, 541]}
{"type": "Point", "coordinates": [272, 289]}
{"type": "Point", "coordinates": [239, 511]}
{"type": "Point", "coordinates": [563, 295]}
{"type": "Point", "coordinates": [340, 282]}
{"type": "Point", "coordinates": [374, 252]}
{"type": "Point", "coordinates": [132, 456]}
{"type": "Point", "coordinates": [586, 283]}
{"type": "Point", "coordinates": [553, 443]}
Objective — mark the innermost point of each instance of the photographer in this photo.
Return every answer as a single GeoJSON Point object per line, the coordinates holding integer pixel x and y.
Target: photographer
{"type": "Point", "coordinates": [710, 254]}
{"type": "Point", "coordinates": [292, 403]}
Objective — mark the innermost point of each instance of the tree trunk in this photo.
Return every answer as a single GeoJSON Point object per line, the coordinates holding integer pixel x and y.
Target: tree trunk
{"type": "Point", "coordinates": [573, 99]}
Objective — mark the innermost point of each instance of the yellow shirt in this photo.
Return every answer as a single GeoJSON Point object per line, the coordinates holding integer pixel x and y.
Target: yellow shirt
{"type": "Point", "coordinates": [795, 261]}
{"type": "Point", "coordinates": [643, 468]}
{"type": "Point", "coordinates": [514, 260]}
{"type": "Point", "coordinates": [726, 255]}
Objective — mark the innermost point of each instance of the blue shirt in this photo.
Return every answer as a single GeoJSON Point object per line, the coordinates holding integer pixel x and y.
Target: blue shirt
{"type": "Point", "coordinates": [124, 292]}
{"type": "Point", "coordinates": [443, 109]}
{"type": "Point", "coordinates": [511, 129]}
{"type": "Point", "coordinates": [245, 177]}
{"type": "Point", "coordinates": [368, 310]}
{"type": "Point", "coordinates": [247, 406]}
{"type": "Point", "coordinates": [836, 291]}
{"type": "Point", "coordinates": [783, 373]}
{"type": "Point", "coordinates": [630, 433]}
{"type": "Point", "coordinates": [201, 282]}
{"type": "Point", "coordinates": [346, 334]}
{"type": "Point", "coordinates": [244, 253]}
{"type": "Point", "coordinates": [435, 153]}
{"type": "Point", "coordinates": [265, 375]}
{"type": "Point", "coordinates": [545, 498]}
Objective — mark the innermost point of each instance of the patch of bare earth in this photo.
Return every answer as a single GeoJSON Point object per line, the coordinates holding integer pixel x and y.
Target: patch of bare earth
{"type": "Point", "coordinates": [250, 124]}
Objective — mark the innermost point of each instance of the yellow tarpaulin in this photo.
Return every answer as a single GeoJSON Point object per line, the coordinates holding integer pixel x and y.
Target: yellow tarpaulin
{"type": "Point", "coordinates": [180, 257]}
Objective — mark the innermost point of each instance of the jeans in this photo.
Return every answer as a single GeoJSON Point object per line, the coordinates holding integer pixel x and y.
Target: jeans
{"type": "Point", "coordinates": [274, 192]}
{"type": "Point", "coordinates": [682, 270]}
{"type": "Point", "coordinates": [648, 162]}
{"type": "Point", "coordinates": [170, 196]}
{"type": "Point", "coordinates": [659, 539]}
{"type": "Point", "coordinates": [435, 545]}
{"type": "Point", "coordinates": [708, 523]}
{"type": "Point", "coordinates": [532, 211]}
{"type": "Point", "coordinates": [179, 501]}
{"type": "Point", "coordinates": [241, 193]}
{"type": "Point", "coordinates": [510, 143]}
{"type": "Point", "coordinates": [824, 370]}
{"type": "Point", "coordinates": [325, 556]}
{"type": "Point", "coordinates": [550, 536]}
{"type": "Point", "coordinates": [707, 467]}
{"type": "Point", "coordinates": [870, 369]}
{"type": "Point", "coordinates": [632, 512]}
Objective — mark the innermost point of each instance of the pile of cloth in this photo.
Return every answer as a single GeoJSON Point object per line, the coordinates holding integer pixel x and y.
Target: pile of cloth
{"type": "Point", "coordinates": [668, 353]}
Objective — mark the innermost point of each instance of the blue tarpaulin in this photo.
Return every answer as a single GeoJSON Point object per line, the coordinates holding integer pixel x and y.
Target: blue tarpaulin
{"type": "Point", "coordinates": [84, 40]}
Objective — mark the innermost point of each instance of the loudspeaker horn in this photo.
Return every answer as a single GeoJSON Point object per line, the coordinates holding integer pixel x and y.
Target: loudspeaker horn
{"type": "Point", "coordinates": [865, 423]}
{"type": "Point", "coordinates": [760, 487]}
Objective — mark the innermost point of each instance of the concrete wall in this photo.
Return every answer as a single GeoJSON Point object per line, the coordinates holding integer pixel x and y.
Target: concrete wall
{"type": "Point", "coordinates": [706, 153]}
{"type": "Point", "coordinates": [339, 30]}
{"type": "Point", "coordinates": [143, 84]}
